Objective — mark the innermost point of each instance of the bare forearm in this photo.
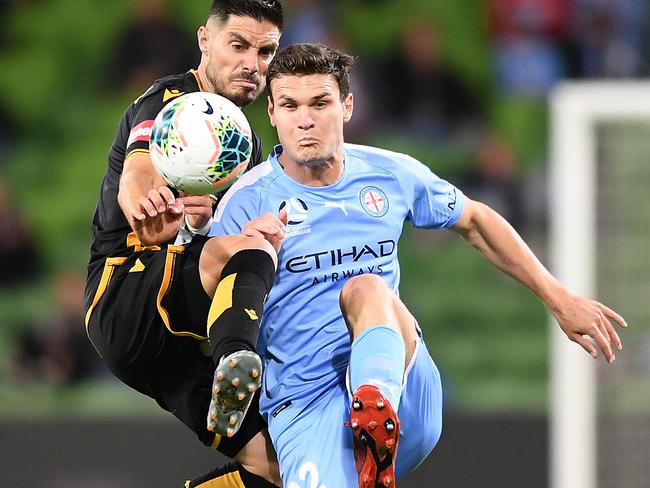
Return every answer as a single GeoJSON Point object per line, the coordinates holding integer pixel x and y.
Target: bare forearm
{"type": "Point", "coordinates": [137, 180]}
{"type": "Point", "coordinates": [148, 204]}
{"type": "Point", "coordinates": [495, 239]}
{"type": "Point", "coordinates": [578, 317]}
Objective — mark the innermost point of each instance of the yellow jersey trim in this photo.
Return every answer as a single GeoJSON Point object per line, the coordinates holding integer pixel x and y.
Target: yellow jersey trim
{"type": "Point", "coordinates": [173, 93]}
{"type": "Point", "coordinates": [133, 153]}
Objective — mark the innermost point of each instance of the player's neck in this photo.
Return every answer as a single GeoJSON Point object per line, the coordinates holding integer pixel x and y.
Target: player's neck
{"type": "Point", "coordinates": [204, 81]}
{"type": "Point", "coordinates": [323, 173]}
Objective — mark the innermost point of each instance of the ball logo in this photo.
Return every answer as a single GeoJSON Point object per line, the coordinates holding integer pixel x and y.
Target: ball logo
{"type": "Point", "coordinates": [209, 110]}
{"type": "Point", "coordinates": [374, 201]}
{"type": "Point", "coordinates": [297, 210]}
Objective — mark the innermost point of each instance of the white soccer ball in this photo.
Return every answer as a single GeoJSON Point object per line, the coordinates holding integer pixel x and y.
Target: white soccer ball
{"type": "Point", "coordinates": [297, 210]}
{"type": "Point", "coordinates": [200, 143]}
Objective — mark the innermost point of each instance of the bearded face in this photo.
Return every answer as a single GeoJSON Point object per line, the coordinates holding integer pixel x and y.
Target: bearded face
{"type": "Point", "coordinates": [236, 56]}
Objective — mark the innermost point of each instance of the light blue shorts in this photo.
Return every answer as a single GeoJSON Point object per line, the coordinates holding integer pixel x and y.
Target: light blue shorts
{"type": "Point", "coordinates": [315, 449]}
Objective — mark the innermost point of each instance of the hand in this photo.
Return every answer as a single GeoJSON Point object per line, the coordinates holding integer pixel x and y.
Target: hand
{"type": "Point", "coordinates": [157, 216]}
{"type": "Point", "coordinates": [269, 227]}
{"type": "Point", "coordinates": [580, 318]}
{"type": "Point", "coordinates": [198, 209]}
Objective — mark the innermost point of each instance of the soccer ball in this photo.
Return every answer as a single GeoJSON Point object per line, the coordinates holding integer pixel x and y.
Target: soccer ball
{"type": "Point", "coordinates": [200, 143]}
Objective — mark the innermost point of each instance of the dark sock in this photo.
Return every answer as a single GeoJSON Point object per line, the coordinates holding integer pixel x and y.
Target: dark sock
{"type": "Point", "coordinates": [238, 302]}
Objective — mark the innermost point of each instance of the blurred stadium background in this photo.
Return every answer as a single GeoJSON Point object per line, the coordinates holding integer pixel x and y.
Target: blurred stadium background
{"type": "Point", "coordinates": [464, 86]}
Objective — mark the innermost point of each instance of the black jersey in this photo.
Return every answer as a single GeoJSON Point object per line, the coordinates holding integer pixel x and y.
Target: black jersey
{"type": "Point", "coordinates": [110, 227]}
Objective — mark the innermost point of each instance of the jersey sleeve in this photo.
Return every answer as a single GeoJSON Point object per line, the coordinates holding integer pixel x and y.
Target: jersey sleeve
{"type": "Point", "coordinates": [238, 206]}
{"type": "Point", "coordinates": [434, 203]}
{"type": "Point", "coordinates": [144, 112]}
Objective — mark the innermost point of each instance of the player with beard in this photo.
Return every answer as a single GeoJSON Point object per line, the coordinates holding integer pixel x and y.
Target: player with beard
{"type": "Point", "coordinates": [180, 323]}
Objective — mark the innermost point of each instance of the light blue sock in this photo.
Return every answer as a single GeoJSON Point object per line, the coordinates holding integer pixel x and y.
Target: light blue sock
{"type": "Point", "coordinates": [378, 358]}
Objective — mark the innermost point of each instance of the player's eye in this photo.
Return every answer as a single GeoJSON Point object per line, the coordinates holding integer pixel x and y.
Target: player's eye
{"type": "Point", "coordinates": [237, 47]}
{"type": "Point", "coordinates": [267, 52]}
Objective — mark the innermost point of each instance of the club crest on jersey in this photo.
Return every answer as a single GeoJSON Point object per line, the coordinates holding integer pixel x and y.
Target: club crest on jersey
{"type": "Point", "coordinates": [297, 210]}
{"type": "Point", "coordinates": [374, 201]}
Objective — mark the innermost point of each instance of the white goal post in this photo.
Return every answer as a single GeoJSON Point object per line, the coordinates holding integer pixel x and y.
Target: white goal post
{"type": "Point", "coordinates": [576, 108]}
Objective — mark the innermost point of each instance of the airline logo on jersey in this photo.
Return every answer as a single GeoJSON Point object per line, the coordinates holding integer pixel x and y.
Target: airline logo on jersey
{"type": "Point", "coordinates": [340, 257]}
{"type": "Point", "coordinates": [173, 93]}
{"type": "Point", "coordinates": [370, 258]}
{"type": "Point", "coordinates": [140, 133]}
{"type": "Point", "coordinates": [374, 201]}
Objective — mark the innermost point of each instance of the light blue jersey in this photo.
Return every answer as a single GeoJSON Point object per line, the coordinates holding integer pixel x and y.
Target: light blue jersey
{"type": "Point", "coordinates": [334, 233]}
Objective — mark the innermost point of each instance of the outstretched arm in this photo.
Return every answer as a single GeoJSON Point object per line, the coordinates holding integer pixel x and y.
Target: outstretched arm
{"type": "Point", "coordinates": [578, 317]}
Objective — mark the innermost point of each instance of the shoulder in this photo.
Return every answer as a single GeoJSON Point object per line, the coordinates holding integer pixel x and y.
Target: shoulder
{"type": "Point", "coordinates": [169, 87]}
{"type": "Point", "coordinates": [139, 116]}
{"type": "Point", "coordinates": [382, 160]}
{"type": "Point", "coordinates": [261, 175]}
{"type": "Point", "coordinates": [249, 187]}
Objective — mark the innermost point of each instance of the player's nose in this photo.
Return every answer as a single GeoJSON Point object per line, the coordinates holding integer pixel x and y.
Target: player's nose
{"type": "Point", "coordinates": [305, 119]}
{"type": "Point", "coordinates": [251, 61]}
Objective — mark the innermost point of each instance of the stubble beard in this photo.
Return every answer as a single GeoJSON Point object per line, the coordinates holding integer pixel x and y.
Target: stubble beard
{"type": "Point", "coordinates": [311, 158]}
{"type": "Point", "coordinates": [239, 96]}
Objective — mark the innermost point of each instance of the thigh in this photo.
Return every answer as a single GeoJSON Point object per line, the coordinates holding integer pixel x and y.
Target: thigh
{"type": "Point", "coordinates": [122, 321]}
{"type": "Point", "coordinates": [139, 297]}
{"type": "Point", "coordinates": [182, 302]}
{"type": "Point", "coordinates": [420, 411]}
{"type": "Point", "coordinates": [146, 320]}
{"type": "Point", "coordinates": [315, 448]}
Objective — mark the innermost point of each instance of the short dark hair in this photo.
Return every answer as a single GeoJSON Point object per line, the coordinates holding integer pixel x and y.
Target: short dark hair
{"type": "Point", "coordinates": [260, 10]}
{"type": "Point", "coordinates": [303, 59]}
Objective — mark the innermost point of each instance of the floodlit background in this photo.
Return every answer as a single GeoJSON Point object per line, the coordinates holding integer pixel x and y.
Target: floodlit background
{"type": "Point", "coordinates": [461, 85]}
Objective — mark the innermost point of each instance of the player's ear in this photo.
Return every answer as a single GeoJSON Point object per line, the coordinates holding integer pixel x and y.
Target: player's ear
{"type": "Point", "coordinates": [203, 37]}
{"type": "Point", "coordinates": [271, 109]}
{"type": "Point", "coordinates": [348, 107]}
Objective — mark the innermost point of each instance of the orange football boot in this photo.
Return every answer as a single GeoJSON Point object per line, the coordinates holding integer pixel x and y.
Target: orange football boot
{"type": "Point", "coordinates": [375, 428]}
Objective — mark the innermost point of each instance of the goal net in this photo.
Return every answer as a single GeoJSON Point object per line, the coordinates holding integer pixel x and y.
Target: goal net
{"type": "Point", "coordinates": [600, 247]}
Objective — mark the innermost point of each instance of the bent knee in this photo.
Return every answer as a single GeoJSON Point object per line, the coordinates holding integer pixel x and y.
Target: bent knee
{"type": "Point", "coordinates": [221, 249]}
{"type": "Point", "coordinates": [367, 285]}
{"type": "Point", "coordinates": [218, 251]}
